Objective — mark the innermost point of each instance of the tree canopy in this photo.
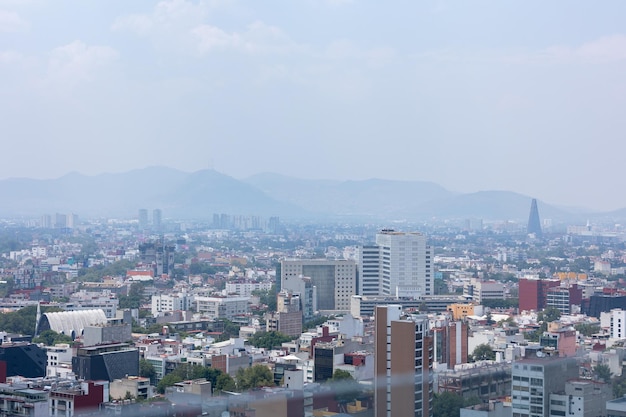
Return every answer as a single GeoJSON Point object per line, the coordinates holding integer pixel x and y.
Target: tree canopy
{"type": "Point", "coordinates": [188, 371]}
{"type": "Point", "coordinates": [483, 352]}
{"type": "Point", "coordinates": [51, 338]}
{"type": "Point", "coordinates": [268, 340]}
{"type": "Point", "coordinates": [345, 387]}
{"type": "Point", "coordinates": [449, 404]}
{"type": "Point", "coordinates": [254, 377]}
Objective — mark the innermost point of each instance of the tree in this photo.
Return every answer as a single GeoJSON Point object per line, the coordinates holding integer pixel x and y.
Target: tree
{"type": "Point", "coordinates": [254, 377]}
{"type": "Point", "coordinates": [587, 329]}
{"type": "Point", "coordinates": [225, 383]}
{"type": "Point", "coordinates": [146, 370]}
{"type": "Point", "coordinates": [602, 372]}
{"type": "Point", "coordinates": [344, 386]}
{"type": "Point", "coordinates": [268, 340]}
{"type": "Point", "coordinates": [483, 352]}
{"type": "Point", "coordinates": [447, 404]}
{"type": "Point", "coordinates": [51, 338]}
{"type": "Point", "coordinates": [168, 381]}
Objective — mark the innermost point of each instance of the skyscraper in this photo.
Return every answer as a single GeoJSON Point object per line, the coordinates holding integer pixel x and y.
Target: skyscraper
{"type": "Point", "coordinates": [534, 225]}
{"type": "Point", "coordinates": [399, 264]}
{"type": "Point", "coordinates": [403, 368]}
{"type": "Point", "coordinates": [156, 219]}
{"type": "Point", "coordinates": [143, 218]}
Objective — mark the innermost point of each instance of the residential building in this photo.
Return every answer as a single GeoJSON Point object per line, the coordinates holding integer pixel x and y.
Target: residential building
{"type": "Point", "coordinates": [450, 343]}
{"type": "Point", "coordinates": [167, 303]}
{"type": "Point", "coordinates": [534, 379]}
{"type": "Point", "coordinates": [77, 400]}
{"type": "Point", "coordinates": [222, 307]}
{"type": "Point", "coordinates": [581, 398]}
{"type": "Point", "coordinates": [403, 384]}
{"type": "Point", "coordinates": [20, 400]}
{"type": "Point", "coordinates": [304, 288]}
{"type": "Point", "coordinates": [617, 326]}
{"type": "Point", "coordinates": [59, 360]}
{"type": "Point", "coordinates": [246, 287]}
{"type": "Point", "coordinates": [288, 317]}
{"type": "Point", "coordinates": [136, 387]}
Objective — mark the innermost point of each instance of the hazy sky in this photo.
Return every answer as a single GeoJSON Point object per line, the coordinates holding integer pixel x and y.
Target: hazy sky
{"type": "Point", "coordinates": [474, 95]}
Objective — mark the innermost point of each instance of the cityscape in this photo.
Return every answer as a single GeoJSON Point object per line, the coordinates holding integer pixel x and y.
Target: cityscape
{"type": "Point", "coordinates": [312, 208]}
{"type": "Point", "coordinates": [252, 316]}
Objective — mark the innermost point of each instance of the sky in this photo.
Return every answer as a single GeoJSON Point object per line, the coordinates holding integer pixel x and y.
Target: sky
{"type": "Point", "coordinates": [483, 95]}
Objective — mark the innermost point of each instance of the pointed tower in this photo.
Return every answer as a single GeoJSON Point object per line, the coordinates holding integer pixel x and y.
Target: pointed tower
{"type": "Point", "coordinates": [534, 225]}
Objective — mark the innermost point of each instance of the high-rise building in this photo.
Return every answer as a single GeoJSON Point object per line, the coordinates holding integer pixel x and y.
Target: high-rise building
{"type": "Point", "coordinates": [143, 218]}
{"type": "Point", "coordinates": [534, 224]}
{"type": "Point", "coordinates": [398, 265]}
{"type": "Point", "coordinates": [403, 384]}
{"type": "Point", "coordinates": [157, 215]}
{"type": "Point", "coordinates": [335, 280]}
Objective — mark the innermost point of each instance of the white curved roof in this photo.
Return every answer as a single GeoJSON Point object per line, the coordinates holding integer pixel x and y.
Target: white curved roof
{"type": "Point", "coordinates": [67, 321]}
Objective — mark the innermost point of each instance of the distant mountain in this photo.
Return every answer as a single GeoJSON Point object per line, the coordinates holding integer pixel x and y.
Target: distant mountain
{"type": "Point", "coordinates": [492, 205]}
{"type": "Point", "coordinates": [200, 194]}
{"type": "Point", "coordinates": [373, 197]}
{"type": "Point", "coordinates": [179, 194]}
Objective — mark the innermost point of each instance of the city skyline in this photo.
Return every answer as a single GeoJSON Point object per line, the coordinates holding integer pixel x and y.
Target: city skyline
{"type": "Point", "coordinates": [503, 96]}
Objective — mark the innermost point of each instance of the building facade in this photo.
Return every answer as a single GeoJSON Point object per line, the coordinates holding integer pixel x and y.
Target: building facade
{"type": "Point", "coordinates": [335, 280]}
{"type": "Point", "coordinates": [403, 384]}
{"type": "Point", "coordinates": [398, 265]}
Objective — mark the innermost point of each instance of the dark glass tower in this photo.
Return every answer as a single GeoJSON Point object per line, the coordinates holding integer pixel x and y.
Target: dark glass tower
{"type": "Point", "coordinates": [534, 225]}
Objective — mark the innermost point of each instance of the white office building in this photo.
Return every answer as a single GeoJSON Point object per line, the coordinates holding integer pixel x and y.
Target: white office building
{"type": "Point", "coordinates": [398, 265]}
{"type": "Point", "coordinates": [167, 303]}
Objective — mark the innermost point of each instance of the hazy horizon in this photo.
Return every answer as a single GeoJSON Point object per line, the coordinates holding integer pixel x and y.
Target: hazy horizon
{"type": "Point", "coordinates": [523, 97]}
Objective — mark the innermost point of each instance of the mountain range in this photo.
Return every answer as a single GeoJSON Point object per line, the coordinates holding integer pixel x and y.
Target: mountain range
{"type": "Point", "coordinates": [197, 195]}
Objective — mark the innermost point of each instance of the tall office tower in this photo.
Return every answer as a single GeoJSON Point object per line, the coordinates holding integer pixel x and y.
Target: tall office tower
{"type": "Point", "coordinates": [403, 384]}
{"type": "Point", "coordinates": [46, 221]}
{"type": "Point", "coordinates": [143, 218]}
{"type": "Point", "coordinates": [72, 220]}
{"type": "Point", "coordinates": [156, 219]}
{"type": "Point", "coordinates": [60, 221]}
{"type": "Point", "coordinates": [534, 224]}
{"type": "Point", "coordinates": [335, 280]}
{"type": "Point", "coordinates": [398, 265]}
{"type": "Point", "coordinates": [534, 379]}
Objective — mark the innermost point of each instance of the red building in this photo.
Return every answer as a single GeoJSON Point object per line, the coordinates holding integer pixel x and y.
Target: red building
{"type": "Point", "coordinates": [83, 399]}
{"type": "Point", "coordinates": [533, 292]}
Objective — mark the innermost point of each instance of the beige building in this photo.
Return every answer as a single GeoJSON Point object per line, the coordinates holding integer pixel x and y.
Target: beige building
{"type": "Point", "coordinates": [334, 280]}
{"type": "Point", "coordinates": [134, 386]}
{"type": "Point", "coordinates": [403, 384]}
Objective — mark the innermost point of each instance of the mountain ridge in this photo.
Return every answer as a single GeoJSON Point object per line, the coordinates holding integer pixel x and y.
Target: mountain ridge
{"type": "Point", "coordinates": [201, 193]}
